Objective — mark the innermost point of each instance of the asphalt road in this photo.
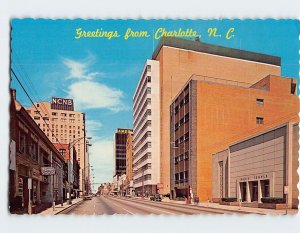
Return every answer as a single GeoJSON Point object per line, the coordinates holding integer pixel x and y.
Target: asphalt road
{"type": "Point", "coordinates": [131, 206]}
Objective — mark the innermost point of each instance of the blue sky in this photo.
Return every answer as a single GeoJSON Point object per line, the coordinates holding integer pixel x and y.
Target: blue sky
{"type": "Point", "coordinates": [101, 74]}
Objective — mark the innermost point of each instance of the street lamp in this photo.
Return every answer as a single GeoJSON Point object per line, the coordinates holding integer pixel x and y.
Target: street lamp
{"type": "Point", "coordinates": [71, 146]}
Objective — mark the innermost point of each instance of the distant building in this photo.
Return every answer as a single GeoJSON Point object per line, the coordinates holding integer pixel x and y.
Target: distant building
{"type": "Point", "coordinates": [120, 140]}
{"type": "Point", "coordinates": [129, 167]}
{"type": "Point", "coordinates": [65, 126]}
{"type": "Point", "coordinates": [73, 168]}
{"type": "Point", "coordinates": [210, 111]}
{"type": "Point", "coordinates": [31, 153]}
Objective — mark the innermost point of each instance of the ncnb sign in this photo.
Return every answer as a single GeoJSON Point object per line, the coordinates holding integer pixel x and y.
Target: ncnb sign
{"type": "Point", "coordinates": [62, 104]}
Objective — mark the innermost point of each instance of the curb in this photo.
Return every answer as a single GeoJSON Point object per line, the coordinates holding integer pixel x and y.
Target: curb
{"type": "Point", "coordinates": [69, 207]}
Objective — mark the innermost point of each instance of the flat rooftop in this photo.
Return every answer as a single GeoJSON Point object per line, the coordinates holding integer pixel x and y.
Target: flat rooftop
{"type": "Point", "coordinates": [215, 50]}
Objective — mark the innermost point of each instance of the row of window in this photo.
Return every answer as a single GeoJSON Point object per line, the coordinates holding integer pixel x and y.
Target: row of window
{"type": "Point", "coordinates": [142, 169]}
{"type": "Point", "coordinates": [145, 147]}
{"type": "Point", "coordinates": [183, 120]}
{"type": "Point", "coordinates": [146, 135]}
{"type": "Point", "coordinates": [141, 179]}
{"type": "Point", "coordinates": [184, 101]}
{"type": "Point", "coordinates": [29, 147]}
{"type": "Point", "coordinates": [182, 176]}
{"type": "Point", "coordinates": [145, 157]}
{"type": "Point", "coordinates": [182, 139]}
{"type": "Point", "coordinates": [147, 79]}
{"type": "Point", "coordinates": [72, 115]}
{"type": "Point", "coordinates": [182, 157]}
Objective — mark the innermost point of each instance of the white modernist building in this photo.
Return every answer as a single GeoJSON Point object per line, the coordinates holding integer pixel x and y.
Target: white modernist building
{"type": "Point", "coordinates": [146, 130]}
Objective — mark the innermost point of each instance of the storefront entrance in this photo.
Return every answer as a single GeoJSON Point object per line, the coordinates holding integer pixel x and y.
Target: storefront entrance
{"type": "Point", "coordinates": [243, 188]}
{"type": "Point", "coordinates": [253, 186]}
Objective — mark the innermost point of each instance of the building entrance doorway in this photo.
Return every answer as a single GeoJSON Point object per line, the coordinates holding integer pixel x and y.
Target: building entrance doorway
{"type": "Point", "coordinates": [253, 185]}
{"type": "Point", "coordinates": [243, 188]}
{"type": "Point", "coordinates": [265, 188]}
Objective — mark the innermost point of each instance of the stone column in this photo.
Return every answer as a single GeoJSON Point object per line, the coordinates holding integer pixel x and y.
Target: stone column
{"type": "Point", "coordinates": [259, 191]}
{"type": "Point", "coordinates": [248, 198]}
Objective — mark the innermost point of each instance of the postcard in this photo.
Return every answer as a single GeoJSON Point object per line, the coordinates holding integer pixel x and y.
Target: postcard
{"type": "Point", "coordinates": [163, 117]}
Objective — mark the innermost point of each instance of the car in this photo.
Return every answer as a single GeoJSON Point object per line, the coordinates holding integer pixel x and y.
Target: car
{"type": "Point", "coordinates": [87, 197]}
{"type": "Point", "coordinates": [155, 197]}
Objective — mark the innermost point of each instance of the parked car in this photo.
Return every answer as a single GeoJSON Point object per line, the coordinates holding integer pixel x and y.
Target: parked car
{"type": "Point", "coordinates": [155, 197]}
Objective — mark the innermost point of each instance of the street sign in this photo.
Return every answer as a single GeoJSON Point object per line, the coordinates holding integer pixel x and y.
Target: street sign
{"type": "Point", "coordinates": [47, 171]}
{"type": "Point", "coordinates": [29, 183]}
{"type": "Point", "coordinates": [286, 190]}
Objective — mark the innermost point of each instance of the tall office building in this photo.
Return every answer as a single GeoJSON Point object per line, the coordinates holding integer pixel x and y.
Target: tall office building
{"type": "Point", "coordinates": [146, 126]}
{"type": "Point", "coordinates": [65, 126]}
{"type": "Point", "coordinates": [176, 60]}
{"type": "Point", "coordinates": [120, 140]}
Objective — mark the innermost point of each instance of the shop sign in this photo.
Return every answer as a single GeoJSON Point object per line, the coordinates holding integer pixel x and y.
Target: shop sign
{"type": "Point", "coordinates": [36, 174]}
{"type": "Point", "coordinates": [48, 171]}
{"type": "Point", "coordinates": [29, 183]}
{"type": "Point", "coordinates": [124, 131]}
{"type": "Point", "coordinates": [255, 177]}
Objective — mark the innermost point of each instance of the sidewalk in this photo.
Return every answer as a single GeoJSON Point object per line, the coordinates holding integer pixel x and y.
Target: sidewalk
{"type": "Point", "coordinates": [58, 208]}
{"type": "Point", "coordinates": [249, 210]}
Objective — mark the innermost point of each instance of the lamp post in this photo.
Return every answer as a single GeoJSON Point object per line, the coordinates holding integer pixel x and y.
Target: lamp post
{"type": "Point", "coordinates": [71, 146]}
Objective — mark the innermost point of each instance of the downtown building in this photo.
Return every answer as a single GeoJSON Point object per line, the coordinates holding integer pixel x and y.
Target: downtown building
{"type": "Point", "coordinates": [119, 150]}
{"type": "Point", "coordinates": [209, 112]}
{"type": "Point", "coordinates": [173, 63]}
{"type": "Point", "coordinates": [66, 127]}
{"type": "Point", "coordinates": [34, 163]}
{"type": "Point", "coordinates": [259, 169]}
{"type": "Point", "coordinates": [146, 128]}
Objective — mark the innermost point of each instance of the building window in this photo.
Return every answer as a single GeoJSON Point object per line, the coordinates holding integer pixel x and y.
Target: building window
{"type": "Point", "coordinates": [63, 119]}
{"type": "Point", "coordinates": [259, 120]}
{"type": "Point", "coordinates": [29, 111]}
{"type": "Point", "coordinates": [63, 114]}
{"type": "Point", "coordinates": [22, 142]}
{"type": "Point", "coordinates": [46, 118]}
{"type": "Point", "coordinates": [62, 152]}
{"type": "Point", "coordinates": [36, 112]}
{"type": "Point", "coordinates": [72, 121]}
{"type": "Point", "coordinates": [54, 113]}
{"type": "Point", "coordinates": [149, 79]}
{"type": "Point", "coordinates": [37, 118]}
{"type": "Point", "coordinates": [148, 67]}
{"type": "Point", "coordinates": [71, 115]}
{"type": "Point", "coordinates": [260, 101]}
{"type": "Point", "coordinates": [54, 119]}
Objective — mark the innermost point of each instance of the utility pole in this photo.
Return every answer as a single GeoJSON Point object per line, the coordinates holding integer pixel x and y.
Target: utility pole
{"type": "Point", "coordinates": [53, 200]}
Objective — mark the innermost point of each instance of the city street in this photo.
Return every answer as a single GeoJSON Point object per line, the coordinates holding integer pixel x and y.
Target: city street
{"type": "Point", "coordinates": [131, 206]}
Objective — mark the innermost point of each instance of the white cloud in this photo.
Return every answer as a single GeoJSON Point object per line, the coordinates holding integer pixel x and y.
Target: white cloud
{"type": "Point", "coordinates": [80, 69]}
{"type": "Point", "coordinates": [101, 158]}
{"type": "Point", "coordinates": [93, 125]}
{"type": "Point", "coordinates": [90, 94]}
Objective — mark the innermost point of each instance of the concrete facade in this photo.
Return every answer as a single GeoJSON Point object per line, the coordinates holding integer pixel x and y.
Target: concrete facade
{"type": "Point", "coordinates": [146, 130]}
{"type": "Point", "coordinates": [261, 165]}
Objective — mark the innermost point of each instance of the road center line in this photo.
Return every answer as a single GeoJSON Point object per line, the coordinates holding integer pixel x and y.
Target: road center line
{"type": "Point", "coordinates": [122, 208]}
{"type": "Point", "coordinates": [156, 209]}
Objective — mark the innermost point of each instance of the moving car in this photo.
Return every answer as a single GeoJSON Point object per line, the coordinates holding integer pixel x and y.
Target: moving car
{"type": "Point", "coordinates": [155, 197]}
{"type": "Point", "coordinates": [87, 197]}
